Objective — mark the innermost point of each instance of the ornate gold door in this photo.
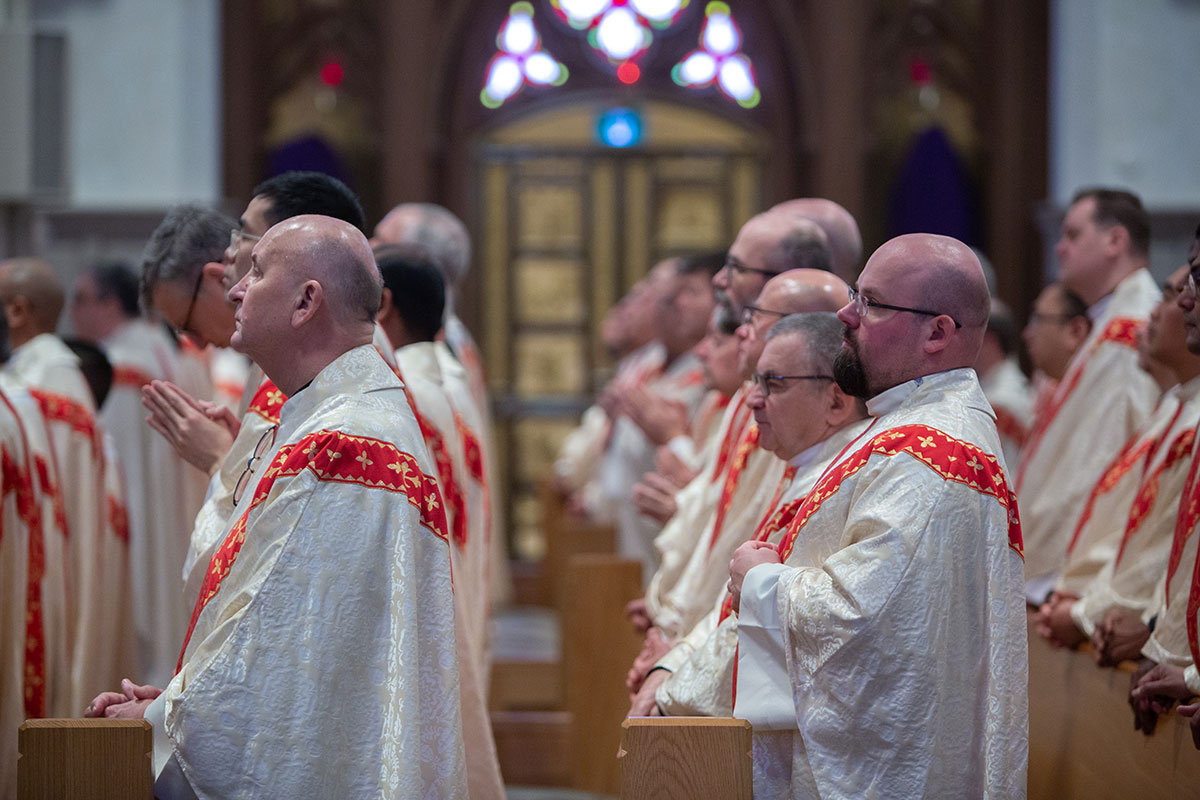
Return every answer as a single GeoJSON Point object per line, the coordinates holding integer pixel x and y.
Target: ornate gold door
{"type": "Point", "coordinates": [567, 226]}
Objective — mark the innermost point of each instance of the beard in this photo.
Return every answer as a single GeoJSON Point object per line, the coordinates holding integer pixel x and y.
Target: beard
{"type": "Point", "coordinates": [849, 373]}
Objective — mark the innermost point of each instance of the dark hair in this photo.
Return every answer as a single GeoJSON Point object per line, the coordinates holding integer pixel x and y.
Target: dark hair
{"type": "Point", "coordinates": [708, 263]}
{"type": "Point", "coordinates": [296, 193]}
{"type": "Point", "coordinates": [95, 366]}
{"type": "Point", "coordinates": [117, 279]}
{"type": "Point", "coordinates": [418, 290]}
{"type": "Point", "coordinates": [1120, 207]}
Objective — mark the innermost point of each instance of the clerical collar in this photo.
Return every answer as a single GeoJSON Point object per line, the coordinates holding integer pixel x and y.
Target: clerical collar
{"type": "Point", "coordinates": [806, 457]}
{"type": "Point", "coordinates": [887, 401]}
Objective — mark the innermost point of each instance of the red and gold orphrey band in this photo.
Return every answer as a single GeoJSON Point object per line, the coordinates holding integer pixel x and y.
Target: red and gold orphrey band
{"type": "Point", "coordinates": [1122, 331]}
{"type": "Point", "coordinates": [953, 459]}
{"type": "Point", "coordinates": [1148, 491]}
{"type": "Point", "coordinates": [746, 446]}
{"type": "Point", "coordinates": [267, 401]}
{"type": "Point", "coordinates": [339, 458]}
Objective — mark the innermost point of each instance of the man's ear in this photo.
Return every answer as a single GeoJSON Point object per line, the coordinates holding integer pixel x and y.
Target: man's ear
{"type": "Point", "coordinates": [940, 330]}
{"type": "Point", "coordinates": [17, 311]}
{"type": "Point", "coordinates": [386, 309]}
{"type": "Point", "coordinates": [309, 299]}
{"type": "Point", "coordinates": [1079, 330]}
{"type": "Point", "coordinates": [1117, 239]}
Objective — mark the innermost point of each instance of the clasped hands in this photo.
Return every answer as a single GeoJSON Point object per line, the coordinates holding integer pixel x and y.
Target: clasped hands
{"type": "Point", "coordinates": [748, 556]}
{"type": "Point", "coordinates": [129, 703]}
{"type": "Point", "coordinates": [200, 432]}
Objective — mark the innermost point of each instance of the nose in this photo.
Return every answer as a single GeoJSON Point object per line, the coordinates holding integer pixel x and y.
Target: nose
{"type": "Point", "coordinates": [1186, 299]}
{"type": "Point", "coordinates": [237, 291]}
{"type": "Point", "coordinates": [1060, 249]}
{"type": "Point", "coordinates": [743, 331]}
{"type": "Point", "coordinates": [848, 316]}
{"type": "Point", "coordinates": [756, 398]}
{"type": "Point", "coordinates": [720, 280]}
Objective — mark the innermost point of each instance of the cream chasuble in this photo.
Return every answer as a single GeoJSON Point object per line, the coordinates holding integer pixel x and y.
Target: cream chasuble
{"type": "Point", "coordinates": [96, 568]}
{"type": "Point", "coordinates": [1011, 397]}
{"type": "Point", "coordinates": [320, 660]}
{"type": "Point", "coordinates": [1168, 642]}
{"type": "Point", "coordinates": [631, 455]}
{"type": "Point", "coordinates": [900, 610]}
{"type": "Point", "coordinates": [702, 662]}
{"type": "Point", "coordinates": [261, 403]}
{"type": "Point", "coordinates": [22, 564]}
{"type": "Point", "coordinates": [696, 507]}
{"type": "Point", "coordinates": [754, 481]}
{"type": "Point", "coordinates": [1100, 402]}
{"type": "Point", "coordinates": [162, 499]}
{"type": "Point", "coordinates": [1133, 578]}
{"type": "Point", "coordinates": [420, 369]}
{"type": "Point", "coordinates": [1096, 534]}
{"type": "Point", "coordinates": [51, 625]}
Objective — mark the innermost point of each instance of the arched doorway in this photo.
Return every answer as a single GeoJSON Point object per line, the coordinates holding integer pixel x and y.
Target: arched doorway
{"type": "Point", "coordinates": [567, 225]}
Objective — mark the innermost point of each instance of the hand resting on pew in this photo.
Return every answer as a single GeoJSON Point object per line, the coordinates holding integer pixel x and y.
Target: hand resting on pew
{"type": "Point", "coordinates": [129, 703]}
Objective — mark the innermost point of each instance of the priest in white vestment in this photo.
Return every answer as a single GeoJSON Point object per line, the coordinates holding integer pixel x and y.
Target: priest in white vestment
{"type": "Point", "coordinates": [165, 492]}
{"type": "Point", "coordinates": [855, 689]}
{"type": "Point", "coordinates": [411, 315]}
{"type": "Point", "coordinates": [1104, 397]}
{"type": "Point", "coordinates": [96, 568]}
{"type": "Point", "coordinates": [335, 569]}
{"type": "Point", "coordinates": [804, 420]}
{"type": "Point", "coordinates": [1118, 554]}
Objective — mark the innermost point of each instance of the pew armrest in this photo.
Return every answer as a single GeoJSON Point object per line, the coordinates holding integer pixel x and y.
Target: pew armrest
{"type": "Point", "coordinates": [97, 759]}
{"type": "Point", "coordinates": [693, 757]}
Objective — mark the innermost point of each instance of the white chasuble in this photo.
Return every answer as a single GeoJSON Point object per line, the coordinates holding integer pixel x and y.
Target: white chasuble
{"type": "Point", "coordinates": [420, 369]}
{"type": "Point", "coordinates": [1007, 389]}
{"type": "Point", "coordinates": [261, 403]}
{"type": "Point", "coordinates": [1132, 580]}
{"type": "Point", "coordinates": [1097, 533]}
{"type": "Point", "coordinates": [1101, 401]}
{"type": "Point", "coordinates": [1168, 642]}
{"type": "Point", "coordinates": [96, 568]}
{"type": "Point", "coordinates": [22, 564]}
{"type": "Point", "coordinates": [901, 610]}
{"type": "Point", "coordinates": [702, 661]}
{"type": "Point", "coordinates": [163, 497]}
{"type": "Point", "coordinates": [320, 659]}
{"type": "Point", "coordinates": [696, 509]}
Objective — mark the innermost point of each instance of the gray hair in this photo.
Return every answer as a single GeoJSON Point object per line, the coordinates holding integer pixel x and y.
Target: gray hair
{"type": "Point", "coordinates": [822, 332]}
{"type": "Point", "coordinates": [442, 238]}
{"type": "Point", "coordinates": [805, 246]}
{"type": "Point", "coordinates": [187, 238]}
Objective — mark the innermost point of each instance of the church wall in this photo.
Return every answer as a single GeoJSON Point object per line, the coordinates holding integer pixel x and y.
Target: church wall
{"type": "Point", "coordinates": [1123, 111]}
{"type": "Point", "coordinates": [143, 104]}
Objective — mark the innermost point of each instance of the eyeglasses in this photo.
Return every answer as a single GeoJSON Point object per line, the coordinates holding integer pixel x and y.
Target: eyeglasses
{"type": "Point", "coordinates": [736, 266]}
{"type": "Point", "coordinates": [1191, 281]}
{"type": "Point", "coordinates": [187, 319]}
{"type": "Point", "coordinates": [265, 443]}
{"type": "Point", "coordinates": [862, 307]}
{"type": "Point", "coordinates": [769, 382]}
{"type": "Point", "coordinates": [238, 233]}
{"type": "Point", "coordinates": [748, 312]}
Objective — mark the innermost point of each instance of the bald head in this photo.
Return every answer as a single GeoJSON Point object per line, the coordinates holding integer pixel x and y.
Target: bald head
{"type": "Point", "coordinates": [440, 236]}
{"type": "Point", "coordinates": [797, 291]}
{"type": "Point", "coordinates": [801, 291]}
{"type": "Point", "coordinates": [927, 306]}
{"type": "Point", "coordinates": [841, 231]}
{"type": "Point", "coordinates": [336, 254]}
{"type": "Point", "coordinates": [311, 295]}
{"type": "Point", "coordinates": [32, 284]}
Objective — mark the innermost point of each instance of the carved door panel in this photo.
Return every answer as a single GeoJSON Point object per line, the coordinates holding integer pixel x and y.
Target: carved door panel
{"type": "Point", "coordinates": [565, 228]}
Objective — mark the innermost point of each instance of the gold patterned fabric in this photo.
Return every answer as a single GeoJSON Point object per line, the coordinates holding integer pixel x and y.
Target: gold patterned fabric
{"type": "Point", "coordinates": [1133, 578]}
{"type": "Point", "coordinates": [323, 665]}
{"type": "Point", "coordinates": [1101, 401]}
{"type": "Point", "coordinates": [901, 613]}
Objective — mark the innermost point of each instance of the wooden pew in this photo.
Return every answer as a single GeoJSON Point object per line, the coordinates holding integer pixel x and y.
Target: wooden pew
{"type": "Point", "coordinates": [85, 759]}
{"type": "Point", "coordinates": [599, 644]}
{"type": "Point", "coordinates": [689, 758]}
{"type": "Point", "coordinates": [1081, 738]}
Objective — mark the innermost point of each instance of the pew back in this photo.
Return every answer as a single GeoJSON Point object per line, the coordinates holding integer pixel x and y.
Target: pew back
{"type": "Point", "coordinates": [86, 759]}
